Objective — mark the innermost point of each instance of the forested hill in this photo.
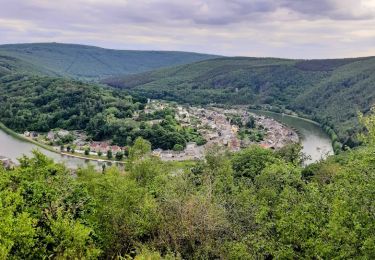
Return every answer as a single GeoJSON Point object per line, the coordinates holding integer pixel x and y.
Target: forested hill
{"type": "Point", "coordinates": [88, 62]}
{"type": "Point", "coordinates": [330, 91]}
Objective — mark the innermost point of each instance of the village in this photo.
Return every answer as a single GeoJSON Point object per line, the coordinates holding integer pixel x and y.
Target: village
{"type": "Point", "coordinates": [78, 141]}
{"type": "Point", "coordinates": [215, 125]}
{"type": "Point", "coordinates": [217, 129]}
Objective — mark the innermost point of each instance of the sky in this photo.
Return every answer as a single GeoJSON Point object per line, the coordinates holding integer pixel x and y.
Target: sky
{"type": "Point", "coordinates": [261, 28]}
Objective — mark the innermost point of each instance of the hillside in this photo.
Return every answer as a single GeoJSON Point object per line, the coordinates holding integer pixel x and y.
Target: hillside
{"type": "Point", "coordinates": [9, 64]}
{"type": "Point", "coordinates": [330, 91]}
{"type": "Point", "coordinates": [35, 103]}
{"type": "Point", "coordinates": [88, 62]}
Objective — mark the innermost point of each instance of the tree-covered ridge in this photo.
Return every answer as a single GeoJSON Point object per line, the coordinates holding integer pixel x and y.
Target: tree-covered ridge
{"type": "Point", "coordinates": [256, 203]}
{"type": "Point", "coordinates": [329, 91]}
{"type": "Point", "coordinates": [43, 103]}
{"type": "Point", "coordinates": [88, 62]}
{"type": "Point", "coordinates": [9, 64]}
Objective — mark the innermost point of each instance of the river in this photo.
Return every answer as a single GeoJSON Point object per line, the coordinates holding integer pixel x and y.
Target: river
{"type": "Point", "coordinates": [14, 148]}
{"type": "Point", "coordinates": [316, 143]}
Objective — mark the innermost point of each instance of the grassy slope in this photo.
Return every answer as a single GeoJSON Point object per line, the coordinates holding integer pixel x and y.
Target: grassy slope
{"type": "Point", "coordinates": [89, 62]}
{"type": "Point", "coordinates": [332, 90]}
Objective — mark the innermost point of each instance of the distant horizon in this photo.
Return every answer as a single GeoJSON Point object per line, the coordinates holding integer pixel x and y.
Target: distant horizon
{"type": "Point", "coordinates": [318, 29]}
{"type": "Point", "coordinates": [187, 51]}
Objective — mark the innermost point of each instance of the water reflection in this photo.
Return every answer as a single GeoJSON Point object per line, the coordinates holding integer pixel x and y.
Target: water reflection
{"type": "Point", "coordinates": [14, 148]}
{"type": "Point", "coordinates": [316, 143]}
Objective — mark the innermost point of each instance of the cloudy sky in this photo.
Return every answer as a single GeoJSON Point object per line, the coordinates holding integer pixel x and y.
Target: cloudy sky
{"type": "Point", "coordinates": [279, 28]}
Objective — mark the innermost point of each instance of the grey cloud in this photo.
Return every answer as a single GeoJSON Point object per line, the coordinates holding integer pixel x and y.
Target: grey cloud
{"type": "Point", "coordinates": [201, 12]}
{"type": "Point", "coordinates": [238, 27]}
{"type": "Point", "coordinates": [221, 12]}
{"type": "Point", "coordinates": [332, 9]}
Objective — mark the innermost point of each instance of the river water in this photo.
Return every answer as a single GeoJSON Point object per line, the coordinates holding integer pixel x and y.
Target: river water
{"type": "Point", "coordinates": [14, 148]}
{"type": "Point", "coordinates": [316, 143]}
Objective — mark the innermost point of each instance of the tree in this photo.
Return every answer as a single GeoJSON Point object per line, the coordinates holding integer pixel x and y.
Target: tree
{"type": "Point", "coordinates": [100, 153]}
{"type": "Point", "coordinates": [140, 148]}
{"type": "Point", "coordinates": [71, 239]}
{"type": "Point", "coordinates": [292, 152]}
{"type": "Point", "coordinates": [178, 147]}
{"type": "Point", "coordinates": [126, 151]}
{"type": "Point", "coordinates": [87, 151]}
{"type": "Point", "coordinates": [251, 161]}
{"type": "Point", "coordinates": [125, 214]}
{"type": "Point", "coordinates": [17, 229]}
{"type": "Point", "coordinates": [251, 122]}
{"type": "Point", "coordinates": [368, 122]}
{"type": "Point", "coordinates": [109, 154]}
{"type": "Point", "coordinates": [119, 156]}
{"type": "Point", "coordinates": [47, 220]}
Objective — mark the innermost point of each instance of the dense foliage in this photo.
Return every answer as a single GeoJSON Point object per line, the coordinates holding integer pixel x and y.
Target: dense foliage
{"type": "Point", "coordinates": [42, 103]}
{"type": "Point", "coordinates": [37, 103]}
{"type": "Point", "coordinates": [313, 88]}
{"type": "Point", "coordinates": [253, 204]}
{"type": "Point", "coordinates": [88, 62]}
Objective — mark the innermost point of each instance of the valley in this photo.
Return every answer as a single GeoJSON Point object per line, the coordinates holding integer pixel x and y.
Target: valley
{"type": "Point", "coordinates": [187, 130]}
{"type": "Point", "coordinates": [121, 155]}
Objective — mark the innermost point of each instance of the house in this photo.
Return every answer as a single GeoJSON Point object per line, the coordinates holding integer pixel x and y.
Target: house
{"type": "Point", "coordinates": [225, 141]}
{"type": "Point", "coordinates": [51, 136]}
{"type": "Point", "coordinates": [234, 144]}
{"type": "Point", "coordinates": [154, 121]}
{"type": "Point", "coordinates": [264, 145]}
{"type": "Point", "coordinates": [115, 148]}
{"type": "Point", "coordinates": [94, 147]}
{"type": "Point", "coordinates": [212, 125]}
{"type": "Point", "coordinates": [157, 152]}
{"type": "Point", "coordinates": [79, 143]}
{"type": "Point", "coordinates": [104, 147]}
{"type": "Point", "coordinates": [234, 129]}
{"type": "Point", "coordinates": [26, 133]}
{"type": "Point", "coordinates": [212, 136]}
{"type": "Point", "coordinates": [194, 151]}
{"type": "Point", "coordinates": [191, 148]}
{"type": "Point", "coordinates": [62, 133]}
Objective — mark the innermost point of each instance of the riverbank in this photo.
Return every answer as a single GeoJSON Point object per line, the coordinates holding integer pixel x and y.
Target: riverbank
{"type": "Point", "coordinates": [25, 139]}
{"type": "Point", "coordinates": [315, 141]}
{"type": "Point", "coordinates": [297, 117]}
{"type": "Point", "coordinates": [91, 158]}
{"type": "Point", "coordinates": [335, 141]}
{"type": "Point", "coordinates": [51, 149]}
{"type": "Point", "coordinates": [329, 131]}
